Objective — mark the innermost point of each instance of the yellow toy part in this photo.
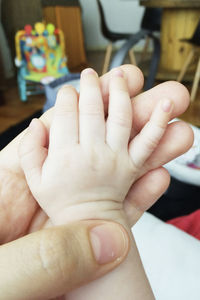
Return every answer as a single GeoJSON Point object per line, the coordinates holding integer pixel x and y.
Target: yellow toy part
{"type": "Point", "coordinates": [62, 40]}
{"type": "Point", "coordinates": [40, 54]}
{"type": "Point", "coordinates": [18, 36]}
{"type": "Point", "coordinates": [39, 28]}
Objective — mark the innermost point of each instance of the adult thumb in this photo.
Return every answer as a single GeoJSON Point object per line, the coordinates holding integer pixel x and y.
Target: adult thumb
{"type": "Point", "coordinates": [48, 263]}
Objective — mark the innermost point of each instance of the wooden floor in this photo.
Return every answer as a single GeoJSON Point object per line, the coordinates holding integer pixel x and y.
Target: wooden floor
{"type": "Point", "coordinates": [13, 111]}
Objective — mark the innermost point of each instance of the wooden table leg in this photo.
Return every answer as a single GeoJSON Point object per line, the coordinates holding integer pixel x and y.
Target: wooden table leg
{"type": "Point", "coordinates": [177, 23]}
{"type": "Point", "coordinates": [132, 57]}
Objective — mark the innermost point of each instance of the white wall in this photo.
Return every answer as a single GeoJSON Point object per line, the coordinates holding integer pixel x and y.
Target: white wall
{"type": "Point", "coordinates": [121, 16]}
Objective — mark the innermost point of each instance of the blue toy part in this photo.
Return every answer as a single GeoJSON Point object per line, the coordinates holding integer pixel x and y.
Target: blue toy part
{"type": "Point", "coordinates": [38, 61]}
{"type": "Point", "coordinates": [22, 89]}
{"type": "Point", "coordinates": [22, 83]}
{"type": "Point", "coordinates": [52, 43]}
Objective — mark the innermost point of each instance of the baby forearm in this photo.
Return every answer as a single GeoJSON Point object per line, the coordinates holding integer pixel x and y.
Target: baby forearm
{"type": "Point", "coordinates": [128, 281]}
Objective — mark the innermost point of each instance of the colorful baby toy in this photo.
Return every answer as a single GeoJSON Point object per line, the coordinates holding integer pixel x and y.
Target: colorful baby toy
{"type": "Point", "coordinates": [40, 57]}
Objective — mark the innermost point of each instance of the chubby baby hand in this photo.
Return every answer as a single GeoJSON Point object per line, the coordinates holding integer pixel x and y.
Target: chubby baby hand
{"type": "Point", "coordinates": [84, 167]}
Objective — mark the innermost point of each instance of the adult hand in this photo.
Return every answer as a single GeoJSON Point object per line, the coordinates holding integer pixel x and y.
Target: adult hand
{"type": "Point", "coordinates": [18, 204]}
{"type": "Point", "coordinates": [48, 263]}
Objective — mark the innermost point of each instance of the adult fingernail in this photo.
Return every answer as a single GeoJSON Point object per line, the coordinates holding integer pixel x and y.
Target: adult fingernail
{"type": "Point", "coordinates": [88, 71]}
{"type": "Point", "coordinates": [109, 242]}
{"type": "Point", "coordinates": [167, 105]}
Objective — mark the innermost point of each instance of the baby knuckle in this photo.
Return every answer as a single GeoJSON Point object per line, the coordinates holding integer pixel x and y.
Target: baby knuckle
{"type": "Point", "coordinates": [158, 125]}
{"type": "Point", "coordinates": [66, 112]}
{"type": "Point", "coordinates": [67, 108]}
{"type": "Point", "coordinates": [120, 119]}
{"type": "Point", "coordinates": [91, 109]}
{"type": "Point", "coordinates": [151, 143]}
{"type": "Point", "coordinates": [66, 90]}
{"type": "Point", "coordinates": [93, 159]}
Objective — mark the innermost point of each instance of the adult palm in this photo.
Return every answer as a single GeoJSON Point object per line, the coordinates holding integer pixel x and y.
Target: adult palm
{"type": "Point", "coordinates": [19, 211]}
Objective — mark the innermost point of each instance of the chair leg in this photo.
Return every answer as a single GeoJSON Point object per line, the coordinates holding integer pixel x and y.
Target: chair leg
{"type": "Point", "coordinates": [132, 57]}
{"type": "Point", "coordinates": [107, 58]}
{"type": "Point", "coordinates": [186, 65]}
{"type": "Point", "coordinates": [144, 51]}
{"type": "Point", "coordinates": [153, 68]}
{"type": "Point", "coordinates": [195, 82]}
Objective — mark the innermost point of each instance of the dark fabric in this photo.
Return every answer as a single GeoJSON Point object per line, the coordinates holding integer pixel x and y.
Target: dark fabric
{"type": "Point", "coordinates": [107, 33]}
{"type": "Point", "coordinates": [2, 100]}
{"type": "Point", "coordinates": [189, 223]}
{"type": "Point", "coordinates": [196, 36]}
{"type": "Point", "coordinates": [195, 39]}
{"type": "Point", "coordinates": [60, 3]}
{"type": "Point", "coordinates": [12, 132]}
{"type": "Point", "coordinates": [179, 200]}
{"type": "Point", "coordinates": [152, 19]}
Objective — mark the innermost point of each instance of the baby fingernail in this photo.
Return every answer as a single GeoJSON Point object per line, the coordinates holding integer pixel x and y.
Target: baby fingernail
{"type": "Point", "coordinates": [167, 105]}
{"type": "Point", "coordinates": [109, 242]}
{"type": "Point", "coordinates": [33, 124]}
{"type": "Point", "coordinates": [88, 71]}
{"type": "Point", "coordinates": [117, 72]}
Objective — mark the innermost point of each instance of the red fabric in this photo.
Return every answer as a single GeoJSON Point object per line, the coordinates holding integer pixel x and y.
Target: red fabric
{"type": "Point", "coordinates": [189, 223]}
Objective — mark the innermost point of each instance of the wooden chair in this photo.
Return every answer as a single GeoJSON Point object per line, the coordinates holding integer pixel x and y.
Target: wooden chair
{"type": "Point", "coordinates": [195, 52]}
{"type": "Point", "coordinates": [151, 22]}
{"type": "Point", "coordinates": [112, 37]}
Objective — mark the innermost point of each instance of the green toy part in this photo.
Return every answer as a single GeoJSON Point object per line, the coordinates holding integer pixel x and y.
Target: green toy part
{"type": "Point", "coordinates": [50, 28]}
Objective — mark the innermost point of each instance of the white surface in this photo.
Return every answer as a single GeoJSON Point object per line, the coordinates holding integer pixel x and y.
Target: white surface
{"type": "Point", "coordinates": [184, 173]}
{"type": "Point", "coordinates": [122, 16]}
{"type": "Point", "coordinates": [190, 155]}
{"type": "Point", "coordinates": [178, 167]}
{"type": "Point", "coordinates": [171, 259]}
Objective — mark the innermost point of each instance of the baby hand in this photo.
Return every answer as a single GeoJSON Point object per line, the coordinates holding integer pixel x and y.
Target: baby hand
{"type": "Point", "coordinates": [88, 165]}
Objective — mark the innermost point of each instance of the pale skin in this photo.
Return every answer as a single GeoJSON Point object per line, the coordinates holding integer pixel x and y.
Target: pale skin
{"type": "Point", "coordinates": [88, 163]}
{"type": "Point", "coordinates": [25, 216]}
{"type": "Point", "coordinates": [19, 207]}
{"type": "Point", "coordinates": [52, 261]}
